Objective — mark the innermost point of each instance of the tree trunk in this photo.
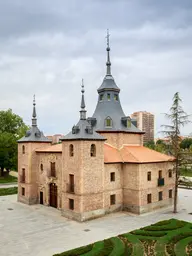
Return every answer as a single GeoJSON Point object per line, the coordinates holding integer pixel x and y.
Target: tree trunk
{"type": "Point", "coordinates": [1, 171]}
{"type": "Point", "coordinates": [176, 187]}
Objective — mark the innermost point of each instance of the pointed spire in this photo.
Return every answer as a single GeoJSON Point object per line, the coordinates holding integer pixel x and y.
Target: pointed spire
{"type": "Point", "coordinates": [34, 115]}
{"type": "Point", "coordinates": [82, 111]}
{"type": "Point", "coordinates": [82, 98]}
{"type": "Point", "coordinates": [108, 63]}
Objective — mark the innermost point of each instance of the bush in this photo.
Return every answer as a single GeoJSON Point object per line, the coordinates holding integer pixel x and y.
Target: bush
{"type": "Point", "coordinates": [8, 191]}
{"type": "Point", "coordinates": [149, 233]}
{"type": "Point", "coordinates": [77, 251]}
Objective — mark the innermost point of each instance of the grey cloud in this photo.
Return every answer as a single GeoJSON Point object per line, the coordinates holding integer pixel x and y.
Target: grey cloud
{"type": "Point", "coordinates": [46, 47]}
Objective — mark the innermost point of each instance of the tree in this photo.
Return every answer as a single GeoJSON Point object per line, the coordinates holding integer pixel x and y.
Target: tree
{"type": "Point", "coordinates": [177, 118]}
{"type": "Point", "coordinates": [186, 143]}
{"type": "Point", "coordinates": [150, 144]}
{"type": "Point", "coordinates": [12, 128]}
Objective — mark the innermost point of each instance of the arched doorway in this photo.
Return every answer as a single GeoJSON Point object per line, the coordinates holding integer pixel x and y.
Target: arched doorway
{"type": "Point", "coordinates": [53, 195]}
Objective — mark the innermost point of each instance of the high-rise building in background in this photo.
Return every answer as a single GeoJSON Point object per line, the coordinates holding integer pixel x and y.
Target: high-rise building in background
{"type": "Point", "coordinates": [145, 122]}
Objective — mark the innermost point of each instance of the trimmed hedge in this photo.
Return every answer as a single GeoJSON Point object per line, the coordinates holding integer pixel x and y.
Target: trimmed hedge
{"type": "Point", "coordinates": [77, 251]}
{"type": "Point", "coordinates": [8, 191]}
{"type": "Point", "coordinates": [171, 235]}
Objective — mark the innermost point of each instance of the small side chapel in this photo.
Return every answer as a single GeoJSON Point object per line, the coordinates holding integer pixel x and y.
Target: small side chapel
{"type": "Point", "coordinates": [101, 166]}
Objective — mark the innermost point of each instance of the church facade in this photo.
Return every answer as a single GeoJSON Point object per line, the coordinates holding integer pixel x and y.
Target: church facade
{"type": "Point", "coordinates": [101, 166]}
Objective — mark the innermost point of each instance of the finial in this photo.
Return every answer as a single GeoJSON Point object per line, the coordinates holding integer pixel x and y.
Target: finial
{"type": "Point", "coordinates": [108, 63]}
{"type": "Point", "coordinates": [82, 111]}
{"type": "Point", "coordinates": [108, 35]}
{"type": "Point", "coordinates": [34, 115]}
{"type": "Point", "coordinates": [82, 86]}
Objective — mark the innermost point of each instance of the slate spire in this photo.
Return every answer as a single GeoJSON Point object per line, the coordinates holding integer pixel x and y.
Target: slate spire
{"type": "Point", "coordinates": [34, 115]}
{"type": "Point", "coordinates": [108, 63]}
{"type": "Point", "coordinates": [82, 111]}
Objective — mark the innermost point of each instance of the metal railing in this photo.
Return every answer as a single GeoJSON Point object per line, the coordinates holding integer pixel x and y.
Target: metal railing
{"type": "Point", "coordinates": [160, 182]}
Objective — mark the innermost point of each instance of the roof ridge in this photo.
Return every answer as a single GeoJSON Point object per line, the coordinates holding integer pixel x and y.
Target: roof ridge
{"type": "Point", "coordinates": [132, 155]}
{"type": "Point", "coordinates": [110, 145]}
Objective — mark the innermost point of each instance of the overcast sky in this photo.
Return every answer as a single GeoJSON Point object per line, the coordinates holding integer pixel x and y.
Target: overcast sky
{"type": "Point", "coordinates": [47, 47]}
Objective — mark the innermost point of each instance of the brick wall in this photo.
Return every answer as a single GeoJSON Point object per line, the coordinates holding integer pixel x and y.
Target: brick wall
{"type": "Point", "coordinates": [29, 163]}
{"type": "Point", "coordinates": [118, 139]}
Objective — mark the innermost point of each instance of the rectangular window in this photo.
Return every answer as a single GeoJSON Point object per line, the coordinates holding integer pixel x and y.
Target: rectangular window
{"type": "Point", "coordinates": [23, 175]}
{"type": "Point", "coordinates": [170, 173]}
{"type": "Point", "coordinates": [71, 204]}
{"type": "Point", "coordinates": [101, 97]}
{"type": "Point", "coordinates": [160, 174]}
{"type": "Point", "coordinates": [112, 176]}
{"type": "Point", "coordinates": [71, 183]}
{"type": "Point", "coordinates": [116, 97]}
{"type": "Point", "coordinates": [160, 195]}
{"type": "Point", "coordinates": [108, 96]}
{"type": "Point", "coordinates": [149, 198]}
{"type": "Point", "coordinates": [23, 191]}
{"type": "Point", "coordinates": [53, 171]}
{"type": "Point", "coordinates": [112, 199]}
{"type": "Point", "coordinates": [108, 122]}
{"type": "Point", "coordinates": [170, 193]}
{"type": "Point", "coordinates": [149, 176]}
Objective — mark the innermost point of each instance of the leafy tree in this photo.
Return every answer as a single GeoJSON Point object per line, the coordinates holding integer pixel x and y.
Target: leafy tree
{"type": "Point", "coordinates": [12, 128]}
{"type": "Point", "coordinates": [186, 143]}
{"type": "Point", "coordinates": [177, 118]}
{"type": "Point", "coordinates": [150, 144]}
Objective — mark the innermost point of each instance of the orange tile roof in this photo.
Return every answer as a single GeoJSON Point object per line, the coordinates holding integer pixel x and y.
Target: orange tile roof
{"type": "Point", "coordinates": [133, 154]}
{"type": "Point", "coordinates": [140, 154]}
{"type": "Point", "coordinates": [57, 148]}
{"type": "Point", "coordinates": [127, 154]}
{"type": "Point", "coordinates": [111, 154]}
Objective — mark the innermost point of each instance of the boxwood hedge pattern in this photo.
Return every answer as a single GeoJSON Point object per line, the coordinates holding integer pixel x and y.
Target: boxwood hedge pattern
{"type": "Point", "coordinates": [169, 237]}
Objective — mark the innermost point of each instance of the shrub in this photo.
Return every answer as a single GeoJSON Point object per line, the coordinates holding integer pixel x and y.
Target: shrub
{"type": "Point", "coordinates": [77, 251]}
{"type": "Point", "coordinates": [8, 191]}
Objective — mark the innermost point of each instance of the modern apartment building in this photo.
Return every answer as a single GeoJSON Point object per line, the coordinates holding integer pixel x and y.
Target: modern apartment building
{"type": "Point", "coordinates": [145, 122]}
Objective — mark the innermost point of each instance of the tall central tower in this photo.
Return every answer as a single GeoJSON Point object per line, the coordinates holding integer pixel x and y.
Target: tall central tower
{"type": "Point", "coordinates": [109, 117]}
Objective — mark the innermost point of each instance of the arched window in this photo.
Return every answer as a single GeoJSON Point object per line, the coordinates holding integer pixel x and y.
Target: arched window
{"type": "Point", "coordinates": [41, 167]}
{"type": "Point", "coordinates": [23, 149]}
{"type": "Point", "coordinates": [71, 150]}
{"type": "Point", "coordinates": [108, 122]}
{"type": "Point", "coordinates": [93, 150]}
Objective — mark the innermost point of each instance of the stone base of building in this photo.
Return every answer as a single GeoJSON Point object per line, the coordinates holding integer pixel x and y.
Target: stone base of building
{"type": "Point", "coordinates": [149, 207]}
{"type": "Point", "coordinates": [84, 216]}
{"type": "Point", "coordinates": [29, 201]}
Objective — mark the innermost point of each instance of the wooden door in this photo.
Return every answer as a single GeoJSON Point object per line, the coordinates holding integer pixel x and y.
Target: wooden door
{"type": "Point", "coordinates": [53, 195]}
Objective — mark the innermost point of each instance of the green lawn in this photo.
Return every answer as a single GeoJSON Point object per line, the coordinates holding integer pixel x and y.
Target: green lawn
{"type": "Point", "coordinates": [8, 191]}
{"type": "Point", "coordinates": [170, 237]}
{"type": "Point", "coordinates": [185, 172]}
{"type": "Point", "coordinates": [8, 179]}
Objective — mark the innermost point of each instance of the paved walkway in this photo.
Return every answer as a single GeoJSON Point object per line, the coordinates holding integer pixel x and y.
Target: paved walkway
{"type": "Point", "coordinates": [13, 173]}
{"type": "Point", "coordinates": [9, 185]}
{"type": "Point", "coordinates": [41, 231]}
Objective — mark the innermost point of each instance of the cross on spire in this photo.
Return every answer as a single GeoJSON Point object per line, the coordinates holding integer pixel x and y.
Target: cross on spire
{"type": "Point", "coordinates": [34, 115]}
{"type": "Point", "coordinates": [108, 63]}
{"type": "Point", "coordinates": [82, 111]}
{"type": "Point", "coordinates": [108, 35]}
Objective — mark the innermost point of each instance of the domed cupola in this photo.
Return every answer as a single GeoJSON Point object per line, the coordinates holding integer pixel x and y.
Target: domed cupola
{"type": "Point", "coordinates": [109, 115]}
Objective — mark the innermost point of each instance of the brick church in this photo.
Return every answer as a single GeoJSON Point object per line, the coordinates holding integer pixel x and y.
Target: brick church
{"type": "Point", "coordinates": [100, 166]}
